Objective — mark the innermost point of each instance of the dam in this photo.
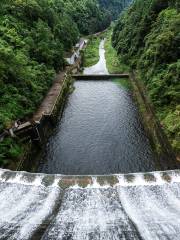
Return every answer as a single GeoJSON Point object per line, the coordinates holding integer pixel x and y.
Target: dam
{"type": "Point", "coordinates": [133, 206]}
{"type": "Point", "coordinates": [98, 177]}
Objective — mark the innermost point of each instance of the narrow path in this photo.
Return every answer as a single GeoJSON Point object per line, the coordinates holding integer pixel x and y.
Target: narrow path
{"type": "Point", "coordinates": [100, 67]}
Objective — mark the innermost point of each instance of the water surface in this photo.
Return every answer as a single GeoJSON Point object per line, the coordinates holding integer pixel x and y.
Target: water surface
{"type": "Point", "coordinates": [100, 67]}
{"type": "Point", "coordinates": [100, 133]}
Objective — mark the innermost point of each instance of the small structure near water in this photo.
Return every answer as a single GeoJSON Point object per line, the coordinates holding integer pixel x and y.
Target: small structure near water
{"type": "Point", "coordinates": [73, 56]}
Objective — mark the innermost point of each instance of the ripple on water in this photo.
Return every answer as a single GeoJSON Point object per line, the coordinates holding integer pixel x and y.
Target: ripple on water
{"type": "Point", "coordinates": [100, 133]}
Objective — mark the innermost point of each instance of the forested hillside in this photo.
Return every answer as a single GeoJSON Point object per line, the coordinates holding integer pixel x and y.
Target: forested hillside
{"type": "Point", "coordinates": [114, 7]}
{"type": "Point", "coordinates": [34, 35]}
{"type": "Point", "coordinates": [147, 37]}
{"type": "Point", "coordinates": [94, 15]}
{"type": "Point", "coordinates": [88, 16]}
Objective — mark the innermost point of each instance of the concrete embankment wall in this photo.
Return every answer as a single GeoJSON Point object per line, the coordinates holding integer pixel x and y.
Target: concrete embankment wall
{"type": "Point", "coordinates": [36, 131]}
{"type": "Point", "coordinates": [158, 138]}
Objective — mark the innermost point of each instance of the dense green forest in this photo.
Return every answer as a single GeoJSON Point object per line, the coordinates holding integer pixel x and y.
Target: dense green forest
{"type": "Point", "coordinates": [34, 35]}
{"type": "Point", "coordinates": [147, 37]}
{"type": "Point", "coordinates": [114, 7]}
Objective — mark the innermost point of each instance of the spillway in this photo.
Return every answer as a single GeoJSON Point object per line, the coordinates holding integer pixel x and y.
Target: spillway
{"type": "Point", "coordinates": [127, 206]}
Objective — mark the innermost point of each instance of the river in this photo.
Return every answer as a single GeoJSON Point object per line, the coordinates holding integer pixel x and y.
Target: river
{"type": "Point", "coordinates": [100, 131]}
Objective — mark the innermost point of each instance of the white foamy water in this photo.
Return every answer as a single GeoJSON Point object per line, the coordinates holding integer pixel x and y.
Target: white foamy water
{"type": "Point", "coordinates": [100, 67]}
{"type": "Point", "coordinates": [132, 206]}
{"type": "Point", "coordinates": [154, 209]}
{"type": "Point", "coordinates": [24, 205]}
{"type": "Point", "coordinates": [91, 214]}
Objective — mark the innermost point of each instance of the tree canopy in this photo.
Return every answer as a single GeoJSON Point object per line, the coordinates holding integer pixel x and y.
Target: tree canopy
{"type": "Point", "coordinates": [34, 34]}
{"type": "Point", "coordinates": [147, 37]}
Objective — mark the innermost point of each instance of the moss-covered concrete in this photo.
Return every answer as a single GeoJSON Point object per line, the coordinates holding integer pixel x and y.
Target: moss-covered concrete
{"type": "Point", "coordinates": [155, 133]}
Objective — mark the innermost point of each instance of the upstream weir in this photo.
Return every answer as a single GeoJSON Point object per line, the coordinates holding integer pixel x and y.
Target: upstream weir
{"type": "Point", "coordinates": [85, 201]}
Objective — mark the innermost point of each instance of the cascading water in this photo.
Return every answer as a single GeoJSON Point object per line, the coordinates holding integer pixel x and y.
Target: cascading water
{"type": "Point", "coordinates": [133, 206]}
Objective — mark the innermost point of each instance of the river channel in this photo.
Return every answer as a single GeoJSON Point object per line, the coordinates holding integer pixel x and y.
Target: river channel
{"type": "Point", "coordinates": [100, 131]}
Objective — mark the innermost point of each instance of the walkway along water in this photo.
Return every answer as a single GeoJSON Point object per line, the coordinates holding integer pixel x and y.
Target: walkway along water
{"type": "Point", "coordinates": [54, 95]}
{"type": "Point", "coordinates": [36, 129]}
{"type": "Point", "coordinates": [110, 207]}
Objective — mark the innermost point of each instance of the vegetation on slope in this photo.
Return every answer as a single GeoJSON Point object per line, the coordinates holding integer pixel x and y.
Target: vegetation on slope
{"type": "Point", "coordinates": [91, 52]}
{"type": "Point", "coordinates": [114, 7]}
{"type": "Point", "coordinates": [94, 15]}
{"type": "Point", "coordinates": [152, 47]}
{"type": "Point", "coordinates": [31, 51]}
{"type": "Point", "coordinates": [90, 18]}
{"type": "Point", "coordinates": [123, 83]}
{"type": "Point", "coordinates": [113, 61]}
